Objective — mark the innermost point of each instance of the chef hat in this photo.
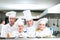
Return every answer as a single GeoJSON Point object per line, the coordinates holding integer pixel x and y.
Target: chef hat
{"type": "Point", "coordinates": [27, 14]}
{"type": "Point", "coordinates": [43, 21]}
{"type": "Point", "coordinates": [11, 14]}
{"type": "Point", "coordinates": [19, 22]}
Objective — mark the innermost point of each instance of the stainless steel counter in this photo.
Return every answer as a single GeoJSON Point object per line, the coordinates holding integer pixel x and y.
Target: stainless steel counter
{"type": "Point", "coordinates": [32, 39]}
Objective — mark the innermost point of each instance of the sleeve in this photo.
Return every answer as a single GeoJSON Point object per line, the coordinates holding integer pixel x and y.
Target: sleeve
{"type": "Point", "coordinates": [48, 32]}
{"type": "Point", "coordinates": [15, 34]}
{"type": "Point", "coordinates": [3, 31]}
{"type": "Point", "coordinates": [37, 34]}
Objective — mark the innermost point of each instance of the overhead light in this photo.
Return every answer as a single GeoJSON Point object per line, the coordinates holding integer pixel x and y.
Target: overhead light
{"type": "Point", "coordinates": [25, 6]}
{"type": "Point", "coordinates": [54, 9]}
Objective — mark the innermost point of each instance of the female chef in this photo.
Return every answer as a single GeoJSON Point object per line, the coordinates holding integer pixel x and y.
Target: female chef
{"type": "Point", "coordinates": [42, 30]}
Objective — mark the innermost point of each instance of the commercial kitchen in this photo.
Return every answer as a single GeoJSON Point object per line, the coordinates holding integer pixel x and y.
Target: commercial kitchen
{"type": "Point", "coordinates": [49, 9]}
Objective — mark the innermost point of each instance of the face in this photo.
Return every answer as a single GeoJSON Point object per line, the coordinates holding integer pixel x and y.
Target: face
{"type": "Point", "coordinates": [41, 26]}
{"type": "Point", "coordinates": [20, 28]}
{"type": "Point", "coordinates": [29, 22]}
{"type": "Point", "coordinates": [11, 20]}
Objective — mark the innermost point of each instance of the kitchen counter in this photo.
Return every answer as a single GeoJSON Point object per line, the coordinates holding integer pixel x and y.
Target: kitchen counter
{"type": "Point", "coordinates": [30, 39]}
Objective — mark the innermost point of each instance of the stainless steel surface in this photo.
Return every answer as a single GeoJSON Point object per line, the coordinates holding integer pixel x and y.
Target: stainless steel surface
{"type": "Point", "coordinates": [33, 39]}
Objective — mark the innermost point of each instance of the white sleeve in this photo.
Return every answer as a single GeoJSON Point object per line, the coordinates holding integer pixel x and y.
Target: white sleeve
{"type": "Point", "coordinates": [37, 34]}
{"type": "Point", "coordinates": [3, 31]}
{"type": "Point", "coordinates": [49, 32]}
{"type": "Point", "coordinates": [15, 34]}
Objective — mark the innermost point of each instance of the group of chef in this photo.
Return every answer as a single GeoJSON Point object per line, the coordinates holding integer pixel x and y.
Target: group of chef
{"type": "Point", "coordinates": [16, 28]}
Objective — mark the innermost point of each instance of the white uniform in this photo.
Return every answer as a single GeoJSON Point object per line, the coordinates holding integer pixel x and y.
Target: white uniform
{"type": "Point", "coordinates": [1, 25]}
{"type": "Point", "coordinates": [44, 33]}
{"type": "Point", "coordinates": [30, 31]}
{"type": "Point", "coordinates": [7, 29]}
{"type": "Point", "coordinates": [17, 34]}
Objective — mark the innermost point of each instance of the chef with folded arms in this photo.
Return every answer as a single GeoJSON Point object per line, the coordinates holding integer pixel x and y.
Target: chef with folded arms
{"type": "Point", "coordinates": [30, 27]}
{"type": "Point", "coordinates": [42, 30]}
{"type": "Point", "coordinates": [9, 28]}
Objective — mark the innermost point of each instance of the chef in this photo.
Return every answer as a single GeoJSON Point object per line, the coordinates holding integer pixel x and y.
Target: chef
{"type": "Point", "coordinates": [20, 29]}
{"type": "Point", "coordinates": [30, 27]}
{"type": "Point", "coordinates": [42, 30]}
{"type": "Point", "coordinates": [9, 28]}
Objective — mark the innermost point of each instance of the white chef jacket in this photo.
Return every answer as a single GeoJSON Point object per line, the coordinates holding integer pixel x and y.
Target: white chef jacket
{"type": "Point", "coordinates": [1, 25]}
{"type": "Point", "coordinates": [17, 34]}
{"type": "Point", "coordinates": [45, 32]}
{"type": "Point", "coordinates": [7, 29]}
{"type": "Point", "coordinates": [30, 31]}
